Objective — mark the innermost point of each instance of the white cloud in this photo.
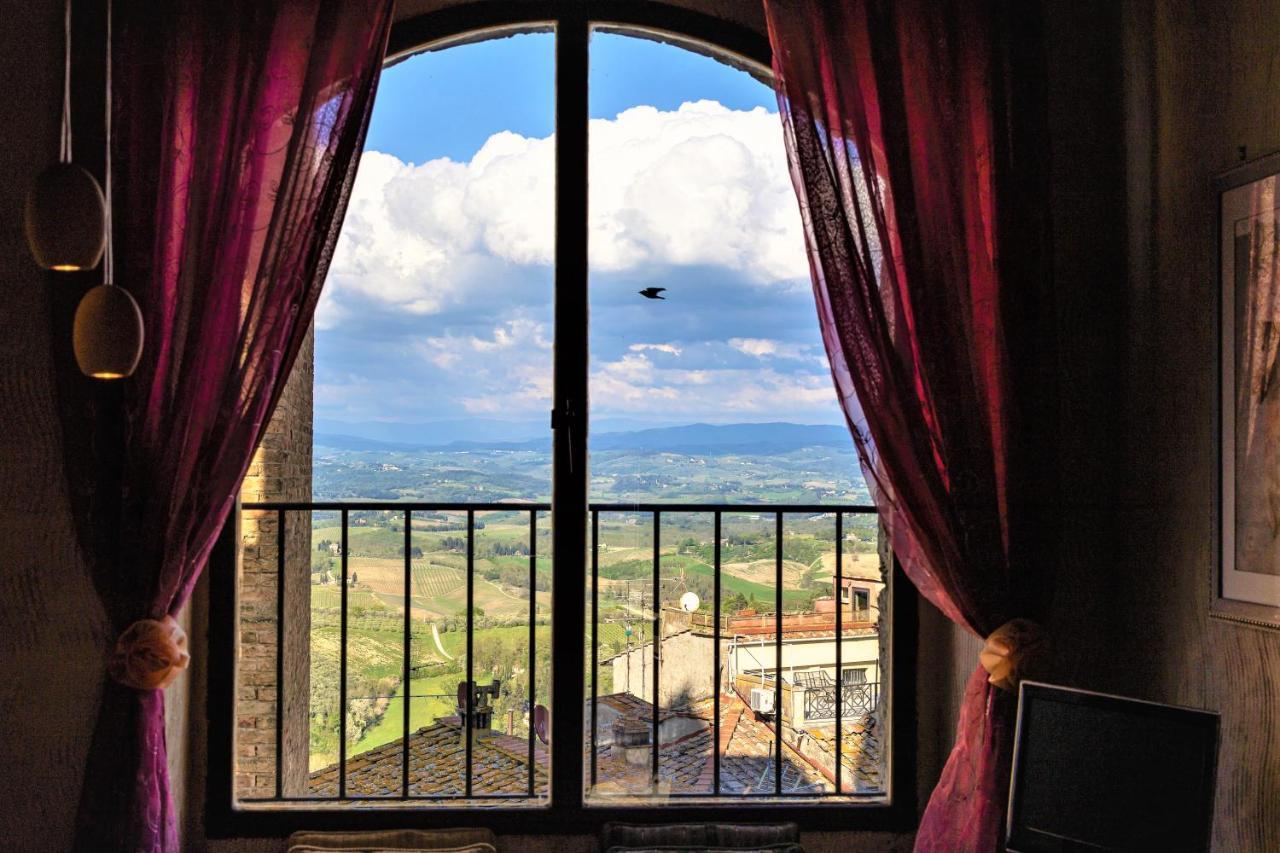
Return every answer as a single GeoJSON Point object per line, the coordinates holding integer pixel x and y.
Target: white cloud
{"type": "Point", "coordinates": [523, 388]}
{"type": "Point", "coordinates": [670, 349]}
{"type": "Point", "coordinates": [768, 348]}
{"type": "Point", "coordinates": [514, 332]}
{"type": "Point", "coordinates": [700, 185]}
{"type": "Point", "coordinates": [754, 346]}
{"type": "Point", "coordinates": [469, 245]}
{"type": "Point", "coordinates": [634, 385]}
{"type": "Point", "coordinates": [703, 184]}
{"type": "Point", "coordinates": [518, 334]}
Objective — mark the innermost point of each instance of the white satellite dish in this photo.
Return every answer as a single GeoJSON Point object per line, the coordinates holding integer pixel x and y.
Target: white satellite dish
{"type": "Point", "coordinates": [689, 602]}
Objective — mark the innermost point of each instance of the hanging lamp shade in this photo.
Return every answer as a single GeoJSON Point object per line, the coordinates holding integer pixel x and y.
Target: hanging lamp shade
{"type": "Point", "coordinates": [107, 334]}
{"type": "Point", "coordinates": [66, 213]}
{"type": "Point", "coordinates": [66, 219]}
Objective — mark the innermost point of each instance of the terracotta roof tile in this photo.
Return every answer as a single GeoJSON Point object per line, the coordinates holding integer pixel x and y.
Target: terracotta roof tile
{"type": "Point", "coordinates": [747, 766]}
{"type": "Point", "coordinates": [437, 756]}
{"type": "Point", "coordinates": [747, 762]}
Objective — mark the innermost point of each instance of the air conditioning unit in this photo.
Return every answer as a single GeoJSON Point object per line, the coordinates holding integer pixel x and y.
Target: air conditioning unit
{"type": "Point", "coordinates": [762, 700]}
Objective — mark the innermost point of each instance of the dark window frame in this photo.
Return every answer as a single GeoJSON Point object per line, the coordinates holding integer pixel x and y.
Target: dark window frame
{"type": "Point", "coordinates": [572, 23]}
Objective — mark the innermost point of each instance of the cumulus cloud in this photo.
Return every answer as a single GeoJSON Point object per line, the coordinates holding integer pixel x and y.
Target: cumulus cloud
{"type": "Point", "coordinates": [700, 185]}
{"type": "Point", "coordinates": [439, 298]}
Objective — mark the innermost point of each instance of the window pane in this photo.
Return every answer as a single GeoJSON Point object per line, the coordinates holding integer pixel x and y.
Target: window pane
{"type": "Point", "coordinates": [429, 385]}
{"type": "Point", "coordinates": [710, 387]}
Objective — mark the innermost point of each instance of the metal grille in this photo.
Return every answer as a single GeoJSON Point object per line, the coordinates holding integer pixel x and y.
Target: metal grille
{"type": "Point", "coordinates": [824, 698]}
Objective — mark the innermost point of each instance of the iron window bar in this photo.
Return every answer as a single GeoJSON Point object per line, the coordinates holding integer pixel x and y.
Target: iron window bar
{"type": "Point", "coordinates": [469, 695]}
{"type": "Point", "coordinates": [280, 600]}
{"type": "Point", "coordinates": [595, 639]}
{"type": "Point", "coordinates": [342, 664]}
{"type": "Point", "coordinates": [839, 602]}
{"type": "Point", "coordinates": [715, 663]}
{"type": "Point", "coordinates": [533, 638]}
{"type": "Point", "coordinates": [407, 702]}
{"type": "Point", "coordinates": [657, 638]}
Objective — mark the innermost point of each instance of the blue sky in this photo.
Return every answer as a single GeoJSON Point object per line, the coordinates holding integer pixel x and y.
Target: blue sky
{"type": "Point", "coordinates": [516, 76]}
{"type": "Point", "coordinates": [438, 304]}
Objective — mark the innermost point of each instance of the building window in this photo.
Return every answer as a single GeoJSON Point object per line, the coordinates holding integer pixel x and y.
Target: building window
{"type": "Point", "coordinates": [399, 606]}
{"type": "Point", "coordinates": [855, 675]}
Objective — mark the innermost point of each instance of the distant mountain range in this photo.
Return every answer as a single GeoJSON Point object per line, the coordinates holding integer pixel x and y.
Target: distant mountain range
{"type": "Point", "coordinates": [691, 438]}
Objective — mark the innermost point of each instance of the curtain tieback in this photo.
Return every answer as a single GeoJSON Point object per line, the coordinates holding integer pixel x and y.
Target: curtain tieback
{"type": "Point", "coordinates": [150, 654]}
{"type": "Point", "coordinates": [1014, 651]}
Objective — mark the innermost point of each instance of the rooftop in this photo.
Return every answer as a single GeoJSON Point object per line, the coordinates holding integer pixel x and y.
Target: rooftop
{"type": "Point", "coordinates": [437, 754]}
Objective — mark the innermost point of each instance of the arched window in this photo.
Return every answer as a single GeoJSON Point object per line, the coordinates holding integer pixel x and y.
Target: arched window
{"type": "Point", "coordinates": [563, 226]}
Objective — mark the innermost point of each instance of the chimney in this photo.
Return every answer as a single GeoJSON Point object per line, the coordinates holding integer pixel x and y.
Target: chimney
{"type": "Point", "coordinates": [483, 696]}
{"type": "Point", "coordinates": [511, 723]}
{"type": "Point", "coordinates": [631, 739]}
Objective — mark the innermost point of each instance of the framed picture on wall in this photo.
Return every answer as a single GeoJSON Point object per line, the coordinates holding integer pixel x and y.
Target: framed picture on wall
{"type": "Point", "coordinates": [1246, 582]}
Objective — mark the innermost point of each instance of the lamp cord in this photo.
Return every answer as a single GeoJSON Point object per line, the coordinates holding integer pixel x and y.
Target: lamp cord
{"type": "Point", "coordinates": [108, 260]}
{"type": "Point", "coordinates": [64, 150]}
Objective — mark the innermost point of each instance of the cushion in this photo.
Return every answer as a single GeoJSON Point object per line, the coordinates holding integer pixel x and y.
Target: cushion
{"type": "Point", "coordinates": [395, 841]}
{"type": "Point", "coordinates": [752, 834]}
{"type": "Point", "coordinates": [644, 835]}
{"type": "Point", "coordinates": [470, 848]}
{"type": "Point", "coordinates": [786, 847]}
{"type": "Point", "coordinates": [701, 836]}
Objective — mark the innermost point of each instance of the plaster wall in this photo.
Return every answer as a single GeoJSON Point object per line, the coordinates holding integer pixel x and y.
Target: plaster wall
{"type": "Point", "coordinates": [52, 629]}
{"type": "Point", "coordinates": [1201, 98]}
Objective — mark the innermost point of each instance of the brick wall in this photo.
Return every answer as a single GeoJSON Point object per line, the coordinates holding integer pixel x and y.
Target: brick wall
{"type": "Point", "coordinates": [280, 470]}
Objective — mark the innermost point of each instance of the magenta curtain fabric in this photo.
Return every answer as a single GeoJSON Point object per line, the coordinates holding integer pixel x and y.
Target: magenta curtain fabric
{"type": "Point", "coordinates": [912, 142]}
{"type": "Point", "coordinates": [239, 127]}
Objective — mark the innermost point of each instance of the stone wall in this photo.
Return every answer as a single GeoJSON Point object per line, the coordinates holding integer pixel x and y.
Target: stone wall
{"type": "Point", "coordinates": [280, 471]}
{"type": "Point", "coordinates": [684, 672]}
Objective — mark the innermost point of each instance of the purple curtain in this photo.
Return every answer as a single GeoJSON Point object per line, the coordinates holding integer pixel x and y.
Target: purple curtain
{"type": "Point", "coordinates": [239, 125]}
{"type": "Point", "coordinates": [912, 131]}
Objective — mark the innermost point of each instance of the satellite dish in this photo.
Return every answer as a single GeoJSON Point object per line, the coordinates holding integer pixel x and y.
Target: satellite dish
{"type": "Point", "coordinates": [542, 723]}
{"type": "Point", "coordinates": [689, 602]}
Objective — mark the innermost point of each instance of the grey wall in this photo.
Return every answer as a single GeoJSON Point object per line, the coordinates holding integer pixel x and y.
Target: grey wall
{"type": "Point", "coordinates": [51, 628]}
{"type": "Point", "coordinates": [1202, 83]}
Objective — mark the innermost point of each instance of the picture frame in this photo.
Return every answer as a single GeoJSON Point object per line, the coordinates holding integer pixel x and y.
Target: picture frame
{"type": "Point", "coordinates": [1246, 573]}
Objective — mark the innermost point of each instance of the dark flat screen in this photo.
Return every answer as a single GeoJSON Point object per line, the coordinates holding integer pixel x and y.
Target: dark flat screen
{"type": "Point", "coordinates": [1103, 773]}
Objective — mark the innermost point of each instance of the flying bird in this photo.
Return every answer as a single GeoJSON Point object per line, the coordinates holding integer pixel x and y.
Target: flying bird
{"type": "Point", "coordinates": [652, 292]}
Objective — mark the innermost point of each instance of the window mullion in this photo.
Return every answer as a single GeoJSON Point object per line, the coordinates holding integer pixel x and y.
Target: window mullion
{"type": "Point", "coordinates": [569, 472]}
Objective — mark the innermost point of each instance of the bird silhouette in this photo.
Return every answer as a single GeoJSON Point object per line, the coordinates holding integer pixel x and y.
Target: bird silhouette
{"type": "Point", "coordinates": [652, 292]}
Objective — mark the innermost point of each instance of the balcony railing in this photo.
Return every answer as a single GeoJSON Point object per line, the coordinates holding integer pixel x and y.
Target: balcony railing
{"type": "Point", "coordinates": [845, 699]}
{"type": "Point", "coordinates": [853, 700]}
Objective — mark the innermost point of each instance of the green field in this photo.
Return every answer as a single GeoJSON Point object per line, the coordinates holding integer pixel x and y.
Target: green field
{"type": "Point", "coordinates": [730, 584]}
{"type": "Point", "coordinates": [375, 666]}
{"type": "Point", "coordinates": [501, 558]}
{"type": "Point", "coordinates": [433, 580]}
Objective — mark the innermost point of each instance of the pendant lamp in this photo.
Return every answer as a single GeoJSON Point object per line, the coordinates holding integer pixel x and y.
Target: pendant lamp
{"type": "Point", "coordinates": [65, 214]}
{"type": "Point", "coordinates": [108, 333]}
